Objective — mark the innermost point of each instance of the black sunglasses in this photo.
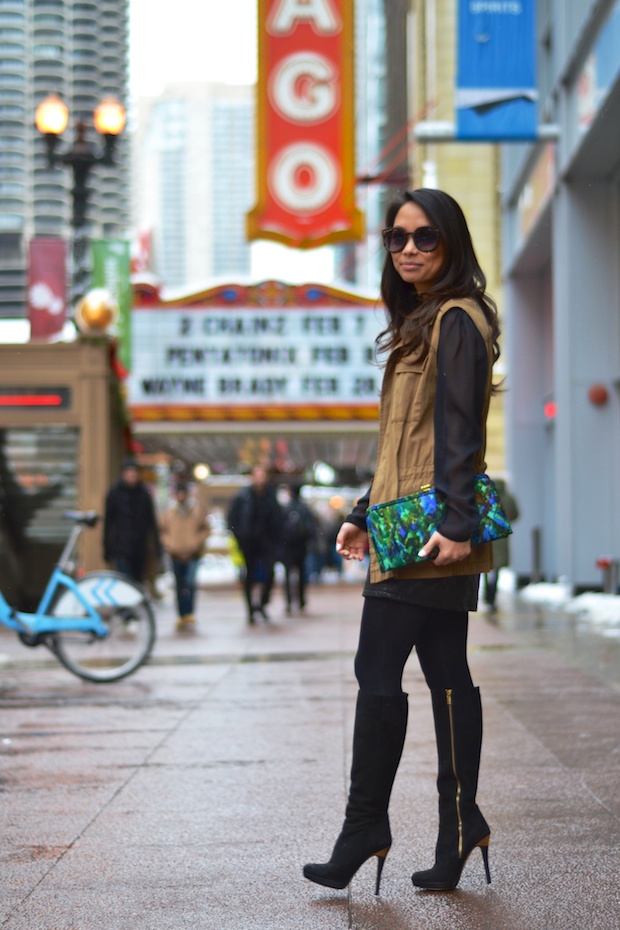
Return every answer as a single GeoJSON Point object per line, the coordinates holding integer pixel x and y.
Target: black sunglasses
{"type": "Point", "coordinates": [425, 238]}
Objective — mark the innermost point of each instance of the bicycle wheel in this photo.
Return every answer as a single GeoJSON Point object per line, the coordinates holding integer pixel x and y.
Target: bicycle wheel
{"type": "Point", "coordinates": [126, 611]}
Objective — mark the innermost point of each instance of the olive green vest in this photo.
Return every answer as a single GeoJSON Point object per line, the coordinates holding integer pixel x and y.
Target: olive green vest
{"type": "Point", "coordinates": [405, 458]}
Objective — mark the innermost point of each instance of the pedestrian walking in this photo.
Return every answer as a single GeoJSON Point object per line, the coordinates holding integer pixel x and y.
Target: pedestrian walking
{"type": "Point", "coordinates": [441, 342]}
{"type": "Point", "coordinates": [298, 529]}
{"type": "Point", "coordinates": [322, 555]}
{"type": "Point", "coordinates": [501, 548]}
{"type": "Point", "coordinates": [184, 530]}
{"type": "Point", "coordinates": [255, 520]}
{"type": "Point", "coordinates": [130, 530]}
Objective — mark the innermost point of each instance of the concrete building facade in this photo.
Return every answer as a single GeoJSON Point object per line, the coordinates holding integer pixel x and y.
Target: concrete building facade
{"type": "Point", "coordinates": [561, 215]}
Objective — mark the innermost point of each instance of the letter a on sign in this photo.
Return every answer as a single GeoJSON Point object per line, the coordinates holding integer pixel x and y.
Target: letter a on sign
{"type": "Point", "coordinates": [304, 140]}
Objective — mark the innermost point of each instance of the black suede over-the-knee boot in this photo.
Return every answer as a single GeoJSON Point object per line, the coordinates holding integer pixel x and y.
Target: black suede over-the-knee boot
{"type": "Point", "coordinates": [458, 727]}
{"type": "Point", "coordinates": [378, 738]}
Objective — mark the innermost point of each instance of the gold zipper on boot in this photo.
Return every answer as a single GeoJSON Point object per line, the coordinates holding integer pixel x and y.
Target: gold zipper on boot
{"type": "Point", "coordinates": [458, 783]}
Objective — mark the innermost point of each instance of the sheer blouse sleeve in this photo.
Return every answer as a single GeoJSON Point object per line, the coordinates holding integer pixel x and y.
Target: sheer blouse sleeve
{"type": "Point", "coordinates": [358, 514]}
{"type": "Point", "coordinates": [461, 377]}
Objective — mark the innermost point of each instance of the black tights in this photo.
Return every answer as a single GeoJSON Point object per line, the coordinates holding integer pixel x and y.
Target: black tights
{"type": "Point", "coordinates": [391, 629]}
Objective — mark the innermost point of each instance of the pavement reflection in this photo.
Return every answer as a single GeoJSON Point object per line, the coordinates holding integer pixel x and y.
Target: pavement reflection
{"type": "Point", "coordinates": [591, 646]}
{"type": "Point", "coordinates": [190, 794]}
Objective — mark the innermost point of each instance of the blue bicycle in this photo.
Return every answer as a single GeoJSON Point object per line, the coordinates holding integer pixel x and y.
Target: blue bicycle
{"type": "Point", "coordinates": [101, 627]}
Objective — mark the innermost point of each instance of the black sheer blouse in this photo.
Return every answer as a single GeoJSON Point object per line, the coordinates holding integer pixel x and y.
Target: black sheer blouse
{"type": "Point", "coordinates": [459, 402]}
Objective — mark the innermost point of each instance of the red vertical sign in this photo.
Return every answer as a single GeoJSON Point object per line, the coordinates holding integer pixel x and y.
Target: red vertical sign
{"type": "Point", "coordinates": [305, 132]}
{"type": "Point", "coordinates": [47, 287]}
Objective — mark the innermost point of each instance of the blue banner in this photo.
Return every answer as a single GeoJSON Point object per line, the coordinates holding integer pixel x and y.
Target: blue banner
{"type": "Point", "coordinates": [496, 95]}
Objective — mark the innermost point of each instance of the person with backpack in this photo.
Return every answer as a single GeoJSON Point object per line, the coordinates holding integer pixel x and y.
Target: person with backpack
{"type": "Point", "coordinates": [298, 529]}
{"type": "Point", "coordinates": [255, 520]}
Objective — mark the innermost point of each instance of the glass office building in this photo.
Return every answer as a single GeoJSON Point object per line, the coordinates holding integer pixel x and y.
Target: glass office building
{"type": "Point", "coordinates": [194, 180]}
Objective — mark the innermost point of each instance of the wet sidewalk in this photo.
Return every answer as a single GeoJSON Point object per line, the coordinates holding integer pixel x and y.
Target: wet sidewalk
{"type": "Point", "coordinates": [191, 794]}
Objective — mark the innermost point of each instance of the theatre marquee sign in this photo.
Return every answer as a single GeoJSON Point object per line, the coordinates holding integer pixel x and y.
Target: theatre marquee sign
{"type": "Point", "coordinates": [269, 351]}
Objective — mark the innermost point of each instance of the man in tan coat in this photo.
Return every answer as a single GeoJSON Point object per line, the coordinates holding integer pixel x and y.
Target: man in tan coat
{"type": "Point", "coordinates": [183, 531]}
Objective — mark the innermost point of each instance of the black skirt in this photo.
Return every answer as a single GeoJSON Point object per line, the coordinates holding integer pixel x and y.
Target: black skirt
{"type": "Point", "coordinates": [459, 592]}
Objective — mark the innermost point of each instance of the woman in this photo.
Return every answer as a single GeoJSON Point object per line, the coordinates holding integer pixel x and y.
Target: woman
{"type": "Point", "coordinates": [184, 531]}
{"type": "Point", "coordinates": [441, 337]}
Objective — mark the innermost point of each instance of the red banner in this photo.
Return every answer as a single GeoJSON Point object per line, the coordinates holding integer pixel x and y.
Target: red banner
{"type": "Point", "coordinates": [305, 129]}
{"type": "Point", "coordinates": [47, 288]}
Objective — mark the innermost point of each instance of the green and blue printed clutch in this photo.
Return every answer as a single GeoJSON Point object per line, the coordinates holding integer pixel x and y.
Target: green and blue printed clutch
{"type": "Point", "coordinates": [398, 529]}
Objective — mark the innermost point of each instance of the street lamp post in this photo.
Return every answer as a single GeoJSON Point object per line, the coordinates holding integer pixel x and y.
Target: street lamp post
{"type": "Point", "coordinates": [51, 120]}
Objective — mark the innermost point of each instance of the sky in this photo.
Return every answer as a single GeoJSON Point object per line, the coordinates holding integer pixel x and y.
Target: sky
{"type": "Point", "coordinates": [211, 40]}
{"type": "Point", "coordinates": [191, 40]}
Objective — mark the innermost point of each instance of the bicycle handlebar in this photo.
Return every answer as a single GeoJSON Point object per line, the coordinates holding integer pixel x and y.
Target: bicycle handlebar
{"type": "Point", "coordinates": [83, 517]}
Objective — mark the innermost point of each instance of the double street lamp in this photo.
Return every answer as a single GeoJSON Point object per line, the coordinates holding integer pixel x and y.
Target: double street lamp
{"type": "Point", "coordinates": [51, 120]}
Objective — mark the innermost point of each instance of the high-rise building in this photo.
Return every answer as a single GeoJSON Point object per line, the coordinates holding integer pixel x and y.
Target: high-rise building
{"type": "Point", "coordinates": [360, 262]}
{"type": "Point", "coordinates": [383, 130]}
{"type": "Point", "coordinates": [194, 179]}
{"type": "Point", "coordinates": [77, 50]}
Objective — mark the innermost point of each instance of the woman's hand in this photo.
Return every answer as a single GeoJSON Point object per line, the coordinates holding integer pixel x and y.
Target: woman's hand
{"type": "Point", "coordinates": [445, 551]}
{"type": "Point", "coordinates": [351, 542]}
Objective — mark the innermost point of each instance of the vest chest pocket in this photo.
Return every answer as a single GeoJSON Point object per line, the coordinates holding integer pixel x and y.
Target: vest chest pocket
{"type": "Point", "coordinates": [408, 378]}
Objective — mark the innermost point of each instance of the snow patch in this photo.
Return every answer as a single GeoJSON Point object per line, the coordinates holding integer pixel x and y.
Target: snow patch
{"type": "Point", "coordinates": [547, 593]}
{"type": "Point", "coordinates": [600, 611]}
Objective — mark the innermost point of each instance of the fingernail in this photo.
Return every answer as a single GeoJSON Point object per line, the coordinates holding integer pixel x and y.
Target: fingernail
{"type": "Point", "coordinates": [422, 553]}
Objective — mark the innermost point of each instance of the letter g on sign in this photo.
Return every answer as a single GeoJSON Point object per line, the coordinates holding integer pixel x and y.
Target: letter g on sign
{"type": "Point", "coordinates": [304, 88]}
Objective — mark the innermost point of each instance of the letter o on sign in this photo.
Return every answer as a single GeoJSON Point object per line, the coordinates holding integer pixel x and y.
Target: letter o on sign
{"type": "Point", "coordinates": [304, 177]}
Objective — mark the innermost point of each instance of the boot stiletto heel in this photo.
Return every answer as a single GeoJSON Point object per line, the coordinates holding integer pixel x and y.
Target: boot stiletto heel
{"type": "Point", "coordinates": [381, 857]}
{"type": "Point", "coordinates": [484, 849]}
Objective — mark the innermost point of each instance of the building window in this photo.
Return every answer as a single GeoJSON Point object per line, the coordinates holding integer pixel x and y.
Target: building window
{"type": "Point", "coordinates": [46, 51]}
{"type": "Point", "coordinates": [11, 221]}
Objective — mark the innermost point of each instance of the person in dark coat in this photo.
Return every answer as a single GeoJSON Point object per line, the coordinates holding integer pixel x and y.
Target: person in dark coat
{"type": "Point", "coordinates": [501, 547]}
{"type": "Point", "coordinates": [130, 524]}
{"type": "Point", "coordinates": [255, 520]}
{"type": "Point", "coordinates": [298, 529]}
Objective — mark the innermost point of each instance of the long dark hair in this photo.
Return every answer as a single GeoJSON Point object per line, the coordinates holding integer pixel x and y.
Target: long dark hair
{"type": "Point", "coordinates": [411, 315]}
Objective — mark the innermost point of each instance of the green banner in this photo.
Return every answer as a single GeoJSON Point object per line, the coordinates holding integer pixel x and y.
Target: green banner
{"type": "Point", "coordinates": [111, 270]}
